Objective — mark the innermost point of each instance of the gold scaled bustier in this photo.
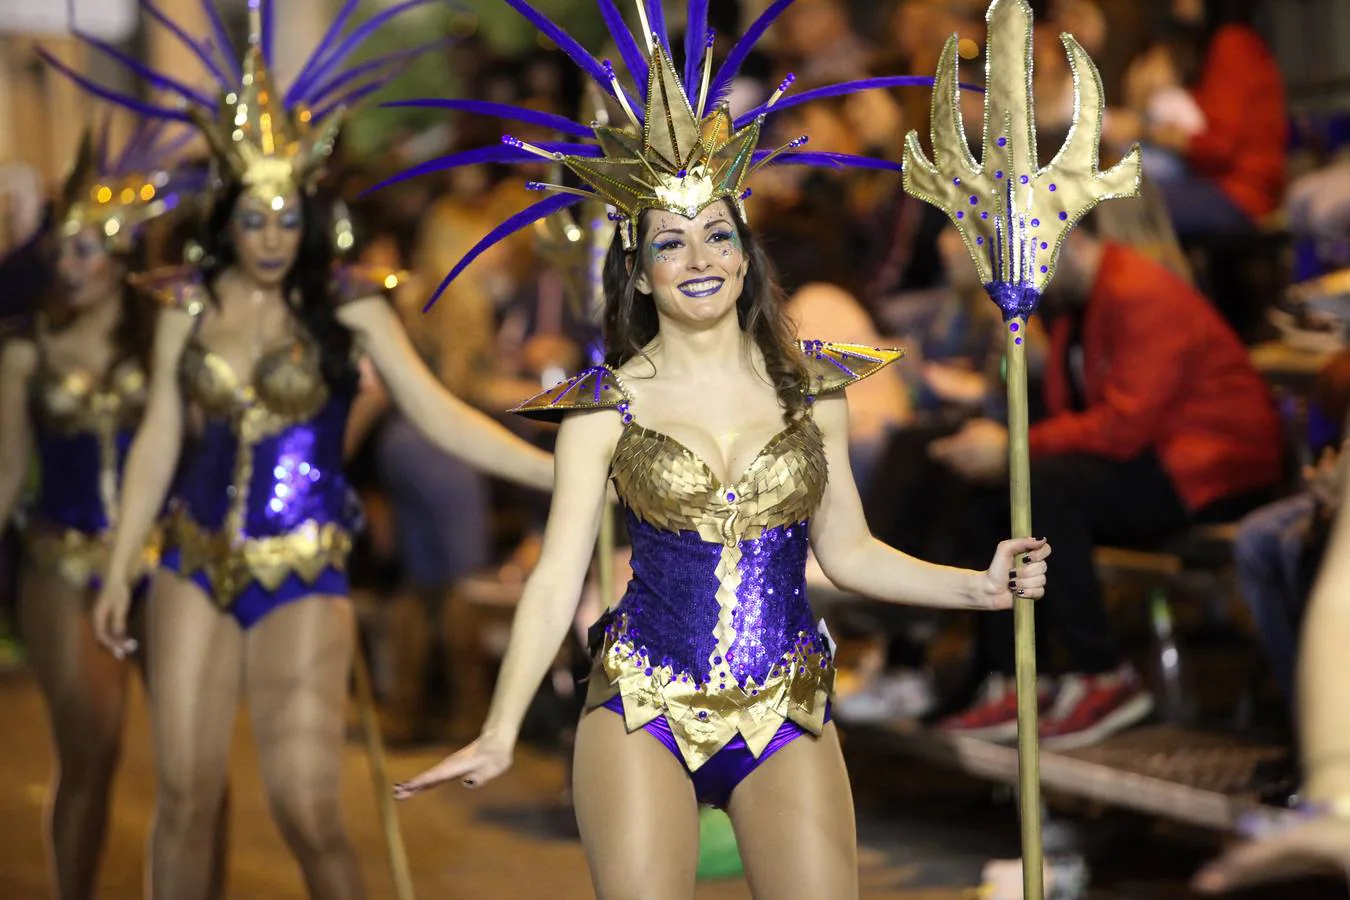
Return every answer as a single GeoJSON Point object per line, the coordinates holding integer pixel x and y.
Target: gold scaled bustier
{"type": "Point", "coordinates": [714, 631]}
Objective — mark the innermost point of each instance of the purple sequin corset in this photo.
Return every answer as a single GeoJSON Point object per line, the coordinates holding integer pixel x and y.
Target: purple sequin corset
{"type": "Point", "coordinates": [714, 633]}
{"type": "Point", "coordinates": [671, 609]}
{"type": "Point", "coordinates": [270, 486]}
{"type": "Point", "coordinates": [79, 475]}
{"type": "Point", "coordinates": [263, 504]}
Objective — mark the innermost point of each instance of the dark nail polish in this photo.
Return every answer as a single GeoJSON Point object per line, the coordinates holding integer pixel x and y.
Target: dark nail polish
{"type": "Point", "coordinates": [1026, 560]}
{"type": "Point", "coordinates": [1012, 573]}
{"type": "Point", "coordinates": [1012, 584]}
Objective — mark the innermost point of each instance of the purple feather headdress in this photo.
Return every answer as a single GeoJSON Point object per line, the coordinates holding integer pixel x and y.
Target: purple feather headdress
{"type": "Point", "coordinates": [115, 192]}
{"type": "Point", "coordinates": [682, 150]}
{"type": "Point", "coordinates": [268, 140]}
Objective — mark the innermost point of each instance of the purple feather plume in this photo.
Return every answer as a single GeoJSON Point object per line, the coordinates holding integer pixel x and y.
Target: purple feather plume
{"type": "Point", "coordinates": [656, 18]}
{"type": "Point", "coordinates": [394, 62]}
{"type": "Point", "coordinates": [147, 74]}
{"type": "Point", "coordinates": [565, 42]}
{"type": "Point", "coordinates": [695, 42]}
{"type": "Point", "coordinates": [268, 27]}
{"type": "Point", "coordinates": [495, 153]}
{"type": "Point", "coordinates": [722, 81]}
{"type": "Point", "coordinates": [302, 79]}
{"type": "Point", "coordinates": [832, 160]}
{"type": "Point", "coordinates": [223, 41]}
{"type": "Point", "coordinates": [550, 121]}
{"type": "Point", "coordinates": [633, 57]}
{"type": "Point", "coordinates": [359, 35]}
{"type": "Point", "coordinates": [527, 216]}
{"type": "Point", "coordinates": [208, 59]}
{"type": "Point", "coordinates": [834, 90]}
{"type": "Point", "coordinates": [118, 99]}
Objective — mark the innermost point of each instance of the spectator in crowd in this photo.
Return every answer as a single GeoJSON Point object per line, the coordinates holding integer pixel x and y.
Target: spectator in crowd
{"type": "Point", "coordinates": [1233, 139]}
{"type": "Point", "coordinates": [1278, 546]}
{"type": "Point", "coordinates": [1156, 420]}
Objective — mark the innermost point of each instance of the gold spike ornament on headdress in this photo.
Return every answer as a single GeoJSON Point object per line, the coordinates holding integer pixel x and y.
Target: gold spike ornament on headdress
{"type": "Point", "coordinates": [114, 205]}
{"type": "Point", "coordinates": [675, 158]}
{"type": "Point", "coordinates": [269, 149]}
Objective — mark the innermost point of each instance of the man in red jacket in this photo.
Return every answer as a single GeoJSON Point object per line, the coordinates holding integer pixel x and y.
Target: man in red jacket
{"type": "Point", "coordinates": [1156, 419]}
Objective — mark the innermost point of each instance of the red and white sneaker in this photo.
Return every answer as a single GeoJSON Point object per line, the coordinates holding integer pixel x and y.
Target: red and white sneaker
{"type": "Point", "coordinates": [1090, 708]}
{"type": "Point", "coordinates": [993, 717]}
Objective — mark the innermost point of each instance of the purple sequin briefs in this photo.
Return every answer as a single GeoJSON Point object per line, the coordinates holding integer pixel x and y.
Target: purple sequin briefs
{"type": "Point", "coordinates": [717, 778]}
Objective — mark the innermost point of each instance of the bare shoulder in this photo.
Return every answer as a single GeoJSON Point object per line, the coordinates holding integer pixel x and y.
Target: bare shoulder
{"type": "Point", "coordinates": [831, 413]}
{"type": "Point", "coordinates": [589, 435]}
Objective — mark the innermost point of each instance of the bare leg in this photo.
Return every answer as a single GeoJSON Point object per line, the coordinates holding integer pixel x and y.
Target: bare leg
{"type": "Point", "coordinates": [85, 691]}
{"type": "Point", "coordinates": [636, 812]}
{"type": "Point", "coordinates": [794, 823]}
{"type": "Point", "coordinates": [194, 664]}
{"type": "Point", "coordinates": [297, 664]}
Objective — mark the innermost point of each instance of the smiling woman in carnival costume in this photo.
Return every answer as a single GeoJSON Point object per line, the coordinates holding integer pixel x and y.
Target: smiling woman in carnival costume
{"type": "Point", "coordinates": [257, 344]}
{"type": "Point", "coordinates": [727, 442]}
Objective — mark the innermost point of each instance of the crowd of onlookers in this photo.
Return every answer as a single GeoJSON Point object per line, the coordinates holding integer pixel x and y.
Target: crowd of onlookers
{"type": "Point", "coordinates": [1149, 415]}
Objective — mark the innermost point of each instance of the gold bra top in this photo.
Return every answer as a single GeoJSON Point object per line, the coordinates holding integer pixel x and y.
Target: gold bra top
{"type": "Point", "coordinates": [669, 486]}
{"type": "Point", "coordinates": [78, 401]}
{"type": "Point", "coordinates": [287, 382]}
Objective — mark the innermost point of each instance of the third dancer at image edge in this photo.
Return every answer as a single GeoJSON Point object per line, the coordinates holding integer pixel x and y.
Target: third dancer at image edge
{"type": "Point", "coordinates": [72, 390]}
{"type": "Point", "coordinates": [256, 340]}
{"type": "Point", "coordinates": [712, 651]}
{"type": "Point", "coordinates": [1013, 216]}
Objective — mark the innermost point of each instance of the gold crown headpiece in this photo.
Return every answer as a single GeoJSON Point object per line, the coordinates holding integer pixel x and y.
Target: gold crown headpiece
{"type": "Point", "coordinates": [267, 140]}
{"type": "Point", "coordinates": [678, 155]}
{"type": "Point", "coordinates": [116, 195]}
{"type": "Point", "coordinates": [258, 140]}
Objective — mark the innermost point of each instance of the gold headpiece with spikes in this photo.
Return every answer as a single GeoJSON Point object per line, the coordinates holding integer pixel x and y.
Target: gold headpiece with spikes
{"type": "Point", "coordinates": [675, 158]}
{"type": "Point", "coordinates": [114, 205]}
{"type": "Point", "coordinates": [269, 149]}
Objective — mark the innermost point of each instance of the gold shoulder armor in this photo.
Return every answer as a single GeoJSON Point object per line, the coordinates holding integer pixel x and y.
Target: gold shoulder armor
{"type": "Point", "coordinates": [594, 388]}
{"type": "Point", "coordinates": [177, 287]}
{"type": "Point", "coordinates": [359, 281]}
{"type": "Point", "coordinates": [833, 367]}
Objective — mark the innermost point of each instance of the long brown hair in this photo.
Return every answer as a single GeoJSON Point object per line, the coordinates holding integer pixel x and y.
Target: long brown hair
{"type": "Point", "coordinates": [631, 321]}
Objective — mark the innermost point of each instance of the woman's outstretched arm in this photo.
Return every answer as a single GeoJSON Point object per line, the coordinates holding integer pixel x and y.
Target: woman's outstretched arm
{"type": "Point", "coordinates": [856, 561]}
{"type": "Point", "coordinates": [450, 423]}
{"type": "Point", "coordinates": [547, 605]}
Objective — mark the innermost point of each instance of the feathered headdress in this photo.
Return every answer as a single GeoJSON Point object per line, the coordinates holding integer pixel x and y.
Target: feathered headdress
{"type": "Point", "coordinates": [268, 140]}
{"type": "Point", "coordinates": [115, 193]}
{"type": "Point", "coordinates": [681, 150]}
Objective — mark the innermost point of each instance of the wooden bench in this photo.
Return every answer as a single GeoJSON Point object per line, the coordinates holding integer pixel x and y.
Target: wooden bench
{"type": "Point", "coordinates": [1199, 561]}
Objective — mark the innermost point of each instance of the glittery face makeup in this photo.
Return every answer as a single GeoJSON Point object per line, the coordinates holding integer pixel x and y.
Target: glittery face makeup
{"type": "Point", "coordinates": [693, 268]}
{"type": "Point", "coordinates": [267, 237]}
{"type": "Point", "coordinates": [88, 272]}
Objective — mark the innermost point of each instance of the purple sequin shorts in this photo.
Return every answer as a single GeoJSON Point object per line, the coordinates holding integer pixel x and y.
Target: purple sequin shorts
{"type": "Point", "coordinates": [717, 778]}
{"type": "Point", "coordinates": [256, 601]}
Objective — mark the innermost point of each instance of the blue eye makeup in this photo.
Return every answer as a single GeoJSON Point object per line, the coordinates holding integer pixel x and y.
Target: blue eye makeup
{"type": "Point", "coordinates": [291, 220]}
{"type": "Point", "coordinates": [665, 246]}
{"type": "Point", "coordinates": [252, 221]}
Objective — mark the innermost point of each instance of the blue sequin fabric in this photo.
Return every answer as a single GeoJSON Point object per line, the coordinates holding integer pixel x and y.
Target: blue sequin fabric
{"type": "Point", "coordinates": [715, 632]}
{"type": "Point", "coordinates": [82, 428]}
{"type": "Point", "coordinates": [261, 501]}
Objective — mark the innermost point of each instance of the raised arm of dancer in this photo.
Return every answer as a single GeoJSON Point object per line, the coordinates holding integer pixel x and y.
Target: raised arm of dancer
{"type": "Point", "coordinates": [18, 360]}
{"type": "Point", "coordinates": [856, 561]}
{"type": "Point", "coordinates": [548, 604]}
{"type": "Point", "coordinates": [455, 426]}
{"type": "Point", "coordinates": [145, 479]}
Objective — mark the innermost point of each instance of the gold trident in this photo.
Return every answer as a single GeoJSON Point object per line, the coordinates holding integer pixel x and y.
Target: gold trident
{"type": "Point", "coordinates": [1014, 217]}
